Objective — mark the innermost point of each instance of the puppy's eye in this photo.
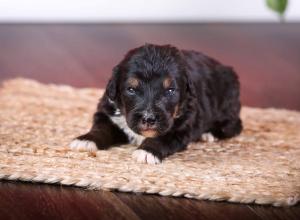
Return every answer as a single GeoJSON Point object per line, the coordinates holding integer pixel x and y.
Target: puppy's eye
{"type": "Point", "coordinates": [131, 90]}
{"type": "Point", "coordinates": [170, 91]}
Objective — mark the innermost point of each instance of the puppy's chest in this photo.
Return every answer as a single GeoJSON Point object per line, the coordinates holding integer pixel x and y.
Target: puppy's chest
{"type": "Point", "coordinates": [133, 137]}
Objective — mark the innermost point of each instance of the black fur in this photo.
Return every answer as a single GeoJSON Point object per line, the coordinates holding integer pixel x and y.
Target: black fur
{"type": "Point", "coordinates": [201, 95]}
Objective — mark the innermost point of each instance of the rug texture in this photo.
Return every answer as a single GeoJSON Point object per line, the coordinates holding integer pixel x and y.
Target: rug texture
{"type": "Point", "coordinates": [37, 122]}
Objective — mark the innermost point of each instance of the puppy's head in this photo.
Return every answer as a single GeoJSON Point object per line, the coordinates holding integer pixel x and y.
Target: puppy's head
{"type": "Point", "coordinates": [149, 86]}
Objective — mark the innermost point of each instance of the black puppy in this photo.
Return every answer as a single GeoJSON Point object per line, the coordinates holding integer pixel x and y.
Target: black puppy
{"type": "Point", "coordinates": [162, 98]}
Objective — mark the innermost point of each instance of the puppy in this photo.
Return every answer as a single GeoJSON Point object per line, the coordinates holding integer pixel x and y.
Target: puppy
{"type": "Point", "coordinates": [161, 99]}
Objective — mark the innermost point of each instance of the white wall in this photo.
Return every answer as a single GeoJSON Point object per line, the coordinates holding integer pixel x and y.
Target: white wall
{"type": "Point", "coordinates": [140, 10]}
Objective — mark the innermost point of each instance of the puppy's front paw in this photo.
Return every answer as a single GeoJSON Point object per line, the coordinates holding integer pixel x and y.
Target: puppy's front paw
{"type": "Point", "coordinates": [83, 145]}
{"type": "Point", "coordinates": [143, 156]}
{"type": "Point", "coordinates": [208, 137]}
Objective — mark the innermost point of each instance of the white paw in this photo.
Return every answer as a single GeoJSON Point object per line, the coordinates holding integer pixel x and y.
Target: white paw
{"type": "Point", "coordinates": [208, 137]}
{"type": "Point", "coordinates": [83, 145]}
{"type": "Point", "coordinates": [143, 156]}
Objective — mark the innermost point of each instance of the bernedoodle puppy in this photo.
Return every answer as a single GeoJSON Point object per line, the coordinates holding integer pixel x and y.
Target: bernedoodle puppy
{"type": "Point", "coordinates": [161, 99]}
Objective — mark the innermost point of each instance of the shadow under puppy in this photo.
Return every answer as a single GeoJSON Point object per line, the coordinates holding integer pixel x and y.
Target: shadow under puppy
{"type": "Point", "coordinates": [162, 98]}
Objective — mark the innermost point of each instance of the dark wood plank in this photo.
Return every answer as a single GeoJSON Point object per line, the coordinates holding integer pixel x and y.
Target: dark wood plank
{"type": "Point", "coordinates": [38, 201]}
{"type": "Point", "coordinates": [282, 213]}
{"type": "Point", "coordinates": [35, 201]}
{"type": "Point", "coordinates": [156, 207]}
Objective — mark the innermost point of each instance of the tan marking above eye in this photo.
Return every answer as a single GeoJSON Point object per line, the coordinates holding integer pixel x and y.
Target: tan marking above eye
{"type": "Point", "coordinates": [167, 82]}
{"type": "Point", "coordinates": [133, 82]}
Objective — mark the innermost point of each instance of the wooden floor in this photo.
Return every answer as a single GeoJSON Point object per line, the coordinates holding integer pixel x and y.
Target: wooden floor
{"type": "Point", "coordinates": [266, 57]}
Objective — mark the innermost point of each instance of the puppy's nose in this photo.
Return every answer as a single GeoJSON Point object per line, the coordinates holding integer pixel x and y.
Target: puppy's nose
{"type": "Point", "coordinates": [149, 119]}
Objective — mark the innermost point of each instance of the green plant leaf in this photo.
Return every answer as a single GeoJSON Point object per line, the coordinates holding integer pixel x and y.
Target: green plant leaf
{"type": "Point", "coordinates": [278, 6]}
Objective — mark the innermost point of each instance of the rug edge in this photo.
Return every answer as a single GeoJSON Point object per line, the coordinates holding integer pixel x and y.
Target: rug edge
{"type": "Point", "coordinates": [290, 201]}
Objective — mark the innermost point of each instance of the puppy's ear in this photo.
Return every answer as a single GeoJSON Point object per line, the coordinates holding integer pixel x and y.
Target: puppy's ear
{"type": "Point", "coordinates": [189, 85]}
{"type": "Point", "coordinates": [190, 88]}
{"type": "Point", "coordinates": [188, 95]}
{"type": "Point", "coordinates": [112, 86]}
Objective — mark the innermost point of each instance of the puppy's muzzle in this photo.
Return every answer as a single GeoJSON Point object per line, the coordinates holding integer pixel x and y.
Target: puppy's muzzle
{"type": "Point", "coordinates": [148, 124]}
{"type": "Point", "coordinates": [148, 121]}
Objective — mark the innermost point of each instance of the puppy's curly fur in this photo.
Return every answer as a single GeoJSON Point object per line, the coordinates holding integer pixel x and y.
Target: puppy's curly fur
{"type": "Point", "coordinates": [162, 98]}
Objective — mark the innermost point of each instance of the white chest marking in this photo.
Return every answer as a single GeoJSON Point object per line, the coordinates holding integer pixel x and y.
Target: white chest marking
{"type": "Point", "coordinates": [133, 137]}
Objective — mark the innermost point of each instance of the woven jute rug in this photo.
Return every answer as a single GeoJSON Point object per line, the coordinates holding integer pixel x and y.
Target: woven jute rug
{"type": "Point", "coordinates": [37, 122]}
